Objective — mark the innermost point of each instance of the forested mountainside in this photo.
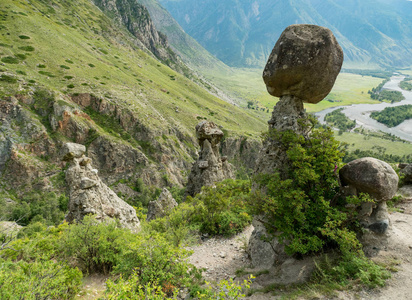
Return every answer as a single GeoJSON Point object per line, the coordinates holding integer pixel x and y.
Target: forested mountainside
{"type": "Point", "coordinates": [242, 33]}
{"type": "Point", "coordinates": [70, 73]}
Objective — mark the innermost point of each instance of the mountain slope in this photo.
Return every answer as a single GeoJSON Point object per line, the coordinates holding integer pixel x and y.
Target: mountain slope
{"type": "Point", "coordinates": [188, 48]}
{"type": "Point", "coordinates": [242, 33]}
{"type": "Point", "coordinates": [68, 73]}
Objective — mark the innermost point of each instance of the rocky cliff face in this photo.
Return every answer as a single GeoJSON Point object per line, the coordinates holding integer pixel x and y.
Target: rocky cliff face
{"type": "Point", "coordinates": [136, 18]}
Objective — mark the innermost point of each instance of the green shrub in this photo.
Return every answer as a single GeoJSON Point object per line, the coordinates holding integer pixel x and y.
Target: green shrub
{"type": "Point", "coordinates": [178, 226]}
{"type": "Point", "coordinates": [27, 48]}
{"type": "Point", "coordinates": [65, 67]}
{"type": "Point", "coordinates": [40, 66]}
{"type": "Point", "coordinates": [70, 86]}
{"type": "Point", "coordinates": [43, 279]}
{"type": "Point", "coordinates": [24, 37]}
{"type": "Point", "coordinates": [132, 289]}
{"type": "Point", "coordinates": [91, 65]}
{"type": "Point", "coordinates": [222, 209]}
{"type": "Point", "coordinates": [39, 207]}
{"type": "Point", "coordinates": [21, 56]}
{"type": "Point", "coordinates": [68, 77]}
{"type": "Point", "coordinates": [10, 60]}
{"type": "Point", "coordinates": [348, 269]}
{"type": "Point", "coordinates": [69, 61]}
{"type": "Point", "coordinates": [8, 78]}
{"type": "Point", "coordinates": [155, 260]}
{"type": "Point", "coordinates": [93, 245]}
{"type": "Point", "coordinates": [21, 72]}
{"type": "Point", "coordinates": [304, 209]}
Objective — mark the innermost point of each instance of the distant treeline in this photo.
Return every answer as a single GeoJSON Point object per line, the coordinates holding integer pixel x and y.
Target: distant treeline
{"type": "Point", "coordinates": [376, 153]}
{"type": "Point", "coordinates": [393, 116]}
{"type": "Point", "coordinates": [373, 73]}
{"type": "Point", "coordinates": [339, 120]}
{"type": "Point", "coordinates": [406, 84]}
{"type": "Point", "coordinates": [385, 95]}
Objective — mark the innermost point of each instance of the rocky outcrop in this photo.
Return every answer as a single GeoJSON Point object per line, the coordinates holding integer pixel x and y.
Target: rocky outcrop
{"type": "Point", "coordinates": [302, 67]}
{"type": "Point", "coordinates": [242, 152]}
{"type": "Point", "coordinates": [162, 206]}
{"type": "Point", "coordinates": [372, 176]}
{"type": "Point", "coordinates": [304, 63]}
{"type": "Point", "coordinates": [377, 179]}
{"type": "Point", "coordinates": [210, 167]}
{"type": "Point", "coordinates": [136, 18]}
{"type": "Point", "coordinates": [89, 195]}
{"type": "Point", "coordinates": [406, 171]}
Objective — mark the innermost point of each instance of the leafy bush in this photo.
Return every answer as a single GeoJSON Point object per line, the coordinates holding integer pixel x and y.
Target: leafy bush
{"type": "Point", "coordinates": [24, 37]}
{"type": "Point", "coordinates": [155, 260]}
{"type": "Point", "coordinates": [351, 268]}
{"type": "Point", "coordinates": [10, 60]}
{"type": "Point", "coordinates": [132, 289]}
{"type": "Point", "coordinates": [304, 209]}
{"type": "Point", "coordinates": [178, 226]}
{"type": "Point", "coordinates": [94, 246]}
{"type": "Point", "coordinates": [43, 279]}
{"type": "Point", "coordinates": [47, 207]}
{"type": "Point", "coordinates": [8, 78]}
{"type": "Point", "coordinates": [64, 67]}
{"type": "Point", "coordinates": [27, 48]}
{"type": "Point", "coordinates": [222, 209]}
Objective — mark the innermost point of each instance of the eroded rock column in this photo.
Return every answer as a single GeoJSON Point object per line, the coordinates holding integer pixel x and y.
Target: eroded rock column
{"type": "Point", "coordinates": [210, 167]}
{"type": "Point", "coordinates": [302, 68]}
{"type": "Point", "coordinates": [89, 195]}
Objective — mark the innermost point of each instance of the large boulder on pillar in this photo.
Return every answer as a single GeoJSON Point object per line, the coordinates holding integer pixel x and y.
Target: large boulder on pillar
{"type": "Point", "coordinates": [304, 63]}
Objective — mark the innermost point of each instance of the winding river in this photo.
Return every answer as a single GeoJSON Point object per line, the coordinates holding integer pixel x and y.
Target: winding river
{"type": "Point", "coordinates": [361, 112]}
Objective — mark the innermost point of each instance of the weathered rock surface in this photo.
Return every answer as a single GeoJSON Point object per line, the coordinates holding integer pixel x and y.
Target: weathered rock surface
{"type": "Point", "coordinates": [372, 176]}
{"type": "Point", "coordinates": [89, 195]}
{"type": "Point", "coordinates": [263, 254]}
{"type": "Point", "coordinates": [304, 63]}
{"type": "Point", "coordinates": [162, 206]}
{"type": "Point", "coordinates": [379, 180]}
{"type": "Point", "coordinates": [209, 168]}
{"type": "Point", "coordinates": [72, 150]}
{"type": "Point", "coordinates": [287, 115]}
{"type": "Point", "coordinates": [407, 173]}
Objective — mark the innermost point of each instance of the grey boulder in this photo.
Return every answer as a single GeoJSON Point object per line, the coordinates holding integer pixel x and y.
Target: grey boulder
{"type": "Point", "coordinates": [372, 176]}
{"type": "Point", "coordinates": [304, 63]}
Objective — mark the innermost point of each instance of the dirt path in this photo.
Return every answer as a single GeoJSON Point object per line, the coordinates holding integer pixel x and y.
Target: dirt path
{"type": "Point", "coordinates": [223, 257]}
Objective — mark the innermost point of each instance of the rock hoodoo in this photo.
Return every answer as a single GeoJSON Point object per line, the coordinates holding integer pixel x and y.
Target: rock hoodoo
{"type": "Point", "coordinates": [304, 63]}
{"type": "Point", "coordinates": [210, 167]}
{"type": "Point", "coordinates": [162, 206]}
{"type": "Point", "coordinates": [379, 180]}
{"type": "Point", "coordinates": [89, 195]}
{"type": "Point", "coordinates": [302, 68]}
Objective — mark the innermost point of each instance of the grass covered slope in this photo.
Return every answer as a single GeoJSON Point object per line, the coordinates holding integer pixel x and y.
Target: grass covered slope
{"type": "Point", "coordinates": [76, 49]}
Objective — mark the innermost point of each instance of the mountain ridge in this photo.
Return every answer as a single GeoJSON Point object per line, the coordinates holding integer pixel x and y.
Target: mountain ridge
{"type": "Point", "coordinates": [242, 33]}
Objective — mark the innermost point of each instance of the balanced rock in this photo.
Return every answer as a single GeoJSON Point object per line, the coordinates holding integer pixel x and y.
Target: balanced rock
{"type": "Point", "coordinates": [372, 176]}
{"type": "Point", "coordinates": [379, 180]}
{"type": "Point", "coordinates": [72, 150]}
{"type": "Point", "coordinates": [89, 195]}
{"type": "Point", "coordinates": [210, 167]}
{"type": "Point", "coordinates": [162, 206]}
{"type": "Point", "coordinates": [304, 63]}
